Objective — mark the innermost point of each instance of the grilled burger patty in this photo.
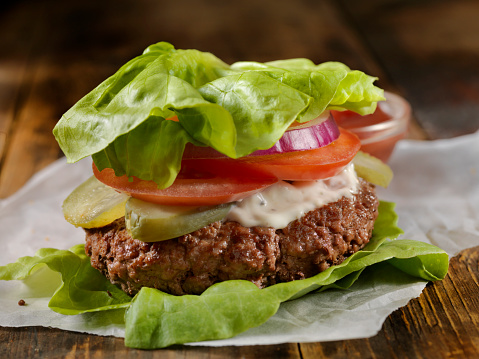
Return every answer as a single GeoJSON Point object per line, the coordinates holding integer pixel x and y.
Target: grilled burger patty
{"type": "Point", "coordinates": [226, 250]}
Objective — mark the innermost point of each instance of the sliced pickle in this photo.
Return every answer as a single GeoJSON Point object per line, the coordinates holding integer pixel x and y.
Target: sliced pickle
{"type": "Point", "coordinates": [150, 222]}
{"type": "Point", "coordinates": [372, 169]}
{"type": "Point", "coordinates": [93, 204]}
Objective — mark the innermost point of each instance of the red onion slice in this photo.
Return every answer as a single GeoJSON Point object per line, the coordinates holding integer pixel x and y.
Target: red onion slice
{"type": "Point", "coordinates": [301, 137]}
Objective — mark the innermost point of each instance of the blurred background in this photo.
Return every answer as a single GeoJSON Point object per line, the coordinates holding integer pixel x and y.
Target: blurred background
{"type": "Point", "coordinates": [54, 52]}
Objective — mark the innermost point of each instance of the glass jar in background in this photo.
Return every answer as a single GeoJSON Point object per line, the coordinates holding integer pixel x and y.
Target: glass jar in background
{"type": "Point", "coordinates": [380, 131]}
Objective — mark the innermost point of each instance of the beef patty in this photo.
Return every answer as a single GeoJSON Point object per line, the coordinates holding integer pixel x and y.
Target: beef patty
{"type": "Point", "coordinates": [226, 250]}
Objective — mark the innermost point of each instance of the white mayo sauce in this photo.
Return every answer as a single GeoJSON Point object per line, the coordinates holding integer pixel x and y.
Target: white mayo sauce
{"type": "Point", "coordinates": [284, 202]}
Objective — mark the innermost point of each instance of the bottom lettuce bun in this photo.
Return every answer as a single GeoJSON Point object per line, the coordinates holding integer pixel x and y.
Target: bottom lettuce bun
{"type": "Point", "coordinates": [226, 250]}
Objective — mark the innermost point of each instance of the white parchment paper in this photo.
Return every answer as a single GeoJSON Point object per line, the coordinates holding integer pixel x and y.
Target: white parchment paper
{"type": "Point", "coordinates": [436, 188]}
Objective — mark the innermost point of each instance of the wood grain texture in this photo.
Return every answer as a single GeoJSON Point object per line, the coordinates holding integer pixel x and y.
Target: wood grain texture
{"type": "Point", "coordinates": [54, 52]}
{"type": "Point", "coordinates": [441, 323]}
{"type": "Point", "coordinates": [39, 342]}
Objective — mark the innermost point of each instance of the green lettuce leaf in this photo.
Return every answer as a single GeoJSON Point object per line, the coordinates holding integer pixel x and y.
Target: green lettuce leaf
{"type": "Point", "coordinates": [332, 85]}
{"type": "Point", "coordinates": [235, 109]}
{"type": "Point", "coordinates": [154, 319]}
{"type": "Point", "coordinates": [83, 289]}
{"type": "Point", "coordinates": [262, 108]}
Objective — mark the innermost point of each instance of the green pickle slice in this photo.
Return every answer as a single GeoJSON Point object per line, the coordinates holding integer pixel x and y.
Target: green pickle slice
{"type": "Point", "coordinates": [150, 222]}
{"type": "Point", "coordinates": [372, 169]}
{"type": "Point", "coordinates": [94, 204]}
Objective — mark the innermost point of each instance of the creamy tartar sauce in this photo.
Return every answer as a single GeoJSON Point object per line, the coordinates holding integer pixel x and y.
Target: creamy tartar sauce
{"type": "Point", "coordinates": [284, 202]}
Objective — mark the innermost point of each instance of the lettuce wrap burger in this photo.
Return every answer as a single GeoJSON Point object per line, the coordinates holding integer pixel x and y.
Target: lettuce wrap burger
{"type": "Point", "coordinates": [218, 192]}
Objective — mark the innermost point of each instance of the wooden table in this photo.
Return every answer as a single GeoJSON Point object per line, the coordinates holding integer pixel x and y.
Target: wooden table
{"type": "Point", "coordinates": [53, 52]}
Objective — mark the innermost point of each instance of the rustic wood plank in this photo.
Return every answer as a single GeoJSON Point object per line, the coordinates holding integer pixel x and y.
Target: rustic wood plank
{"type": "Point", "coordinates": [48, 94]}
{"type": "Point", "coordinates": [31, 148]}
{"type": "Point", "coordinates": [38, 342]}
{"type": "Point", "coordinates": [441, 323]}
{"type": "Point", "coordinates": [13, 65]}
{"type": "Point", "coordinates": [11, 78]}
{"type": "Point", "coordinates": [430, 50]}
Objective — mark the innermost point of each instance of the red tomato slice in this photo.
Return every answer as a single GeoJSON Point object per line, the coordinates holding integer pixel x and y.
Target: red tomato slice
{"type": "Point", "coordinates": [320, 163]}
{"type": "Point", "coordinates": [222, 167]}
{"type": "Point", "coordinates": [195, 191]}
{"type": "Point", "coordinates": [204, 182]}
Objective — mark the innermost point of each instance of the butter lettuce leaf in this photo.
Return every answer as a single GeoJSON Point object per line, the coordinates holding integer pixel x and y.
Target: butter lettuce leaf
{"type": "Point", "coordinates": [262, 108]}
{"type": "Point", "coordinates": [154, 319]}
{"type": "Point", "coordinates": [235, 109]}
{"type": "Point", "coordinates": [332, 85]}
{"type": "Point", "coordinates": [83, 289]}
